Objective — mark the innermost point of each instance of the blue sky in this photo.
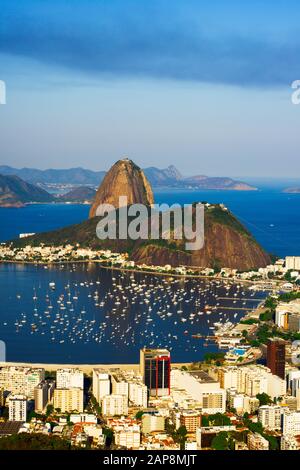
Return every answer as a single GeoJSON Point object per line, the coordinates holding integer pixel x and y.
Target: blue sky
{"type": "Point", "coordinates": [202, 85]}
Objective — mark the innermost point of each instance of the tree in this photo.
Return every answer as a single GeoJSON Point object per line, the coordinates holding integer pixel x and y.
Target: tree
{"type": "Point", "coordinates": [49, 410]}
{"type": "Point", "coordinates": [108, 433]}
{"type": "Point", "coordinates": [139, 414]}
{"type": "Point", "coordinates": [288, 276]}
{"type": "Point", "coordinates": [268, 315]}
{"type": "Point", "coordinates": [204, 421]}
{"type": "Point", "coordinates": [214, 356]}
{"type": "Point", "coordinates": [220, 441]}
{"type": "Point", "coordinates": [273, 442]}
{"type": "Point", "coordinates": [254, 427]}
{"type": "Point", "coordinates": [34, 441]}
{"type": "Point", "coordinates": [219, 419]}
{"type": "Point", "coordinates": [181, 436]}
{"type": "Point", "coordinates": [271, 303]}
{"type": "Point", "coordinates": [264, 399]}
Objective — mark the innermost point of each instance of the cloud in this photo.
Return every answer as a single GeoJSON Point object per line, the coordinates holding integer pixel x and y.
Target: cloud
{"type": "Point", "coordinates": [143, 39]}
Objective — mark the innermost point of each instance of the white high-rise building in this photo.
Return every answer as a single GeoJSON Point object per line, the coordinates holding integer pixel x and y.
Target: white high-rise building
{"type": "Point", "coordinates": [69, 378]}
{"type": "Point", "coordinates": [293, 381]}
{"type": "Point", "coordinates": [276, 386]}
{"type": "Point", "coordinates": [292, 262]}
{"type": "Point", "coordinates": [115, 405]}
{"type": "Point", "coordinates": [43, 394]}
{"type": "Point", "coordinates": [241, 402]}
{"type": "Point", "coordinates": [270, 416]}
{"type": "Point", "coordinates": [201, 388]}
{"type": "Point", "coordinates": [32, 378]}
{"type": "Point", "coordinates": [17, 408]}
{"type": "Point", "coordinates": [252, 380]}
{"type": "Point", "coordinates": [129, 438]}
{"type": "Point", "coordinates": [20, 380]}
{"type": "Point", "coordinates": [138, 394]}
{"type": "Point", "coordinates": [119, 384]}
{"type": "Point", "coordinates": [101, 384]}
{"type": "Point", "coordinates": [257, 442]}
{"type": "Point", "coordinates": [228, 378]}
{"type": "Point", "coordinates": [68, 400]}
{"type": "Point", "coordinates": [291, 423]}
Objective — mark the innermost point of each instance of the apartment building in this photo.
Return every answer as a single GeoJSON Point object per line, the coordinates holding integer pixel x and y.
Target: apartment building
{"type": "Point", "coordinates": [68, 400]}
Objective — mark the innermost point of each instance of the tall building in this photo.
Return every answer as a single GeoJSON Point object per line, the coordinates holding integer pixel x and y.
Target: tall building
{"type": "Point", "coordinates": [119, 385]}
{"type": "Point", "coordinates": [101, 384]}
{"type": "Point", "coordinates": [155, 367]}
{"type": "Point", "coordinates": [257, 442]}
{"type": "Point", "coordinates": [17, 408]}
{"type": "Point", "coordinates": [270, 417]}
{"type": "Point", "coordinates": [276, 357]}
{"type": "Point", "coordinates": [20, 380]}
{"type": "Point", "coordinates": [68, 400]}
{"type": "Point", "coordinates": [291, 423]}
{"type": "Point", "coordinates": [138, 394]}
{"type": "Point", "coordinates": [293, 381]}
{"type": "Point", "coordinates": [153, 423]}
{"type": "Point", "coordinates": [32, 378]}
{"type": "Point", "coordinates": [201, 388]}
{"type": "Point", "coordinates": [115, 405]}
{"type": "Point", "coordinates": [129, 438]}
{"type": "Point", "coordinates": [292, 262]}
{"type": "Point", "coordinates": [69, 378]}
{"type": "Point", "coordinates": [252, 380]}
{"type": "Point", "coordinates": [294, 322]}
{"type": "Point", "coordinates": [43, 394]}
{"type": "Point", "coordinates": [191, 419]}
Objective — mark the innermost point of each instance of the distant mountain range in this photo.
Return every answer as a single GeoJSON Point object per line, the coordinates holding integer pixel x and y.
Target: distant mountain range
{"type": "Point", "coordinates": [295, 190]}
{"type": "Point", "coordinates": [79, 194]}
{"type": "Point", "coordinates": [69, 176]}
{"type": "Point", "coordinates": [14, 192]}
{"type": "Point", "coordinates": [168, 177]}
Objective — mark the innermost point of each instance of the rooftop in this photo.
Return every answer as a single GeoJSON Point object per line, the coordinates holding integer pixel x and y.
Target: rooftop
{"type": "Point", "coordinates": [202, 376]}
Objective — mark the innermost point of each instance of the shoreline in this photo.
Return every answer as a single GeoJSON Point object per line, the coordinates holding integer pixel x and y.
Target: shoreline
{"type": "Point", "coordinates": [22, 205]}
{"type": "Point", "coordinates": [87, 368]}
{"type": "Point", "coordinates": [142, 271]}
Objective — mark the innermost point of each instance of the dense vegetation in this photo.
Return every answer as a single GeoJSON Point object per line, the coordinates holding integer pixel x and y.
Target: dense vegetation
{"type": "Point", "coordinates": [36, 441]}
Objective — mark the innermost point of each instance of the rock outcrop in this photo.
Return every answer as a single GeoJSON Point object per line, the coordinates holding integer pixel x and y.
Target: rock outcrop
{"type": "Point", "coordinates": [123, 179]}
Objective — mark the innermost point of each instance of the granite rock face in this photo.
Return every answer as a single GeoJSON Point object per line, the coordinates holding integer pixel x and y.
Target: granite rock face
{"type": "Point", "coordinates": [123, 179]}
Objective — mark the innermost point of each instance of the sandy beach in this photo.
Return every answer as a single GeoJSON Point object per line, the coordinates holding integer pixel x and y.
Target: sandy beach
{"type": "Point", "coordinates": [86, 368]}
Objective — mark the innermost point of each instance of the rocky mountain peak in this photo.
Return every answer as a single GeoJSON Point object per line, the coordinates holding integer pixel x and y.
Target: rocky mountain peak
{"type": "Point", "coordinates": [124, 178]}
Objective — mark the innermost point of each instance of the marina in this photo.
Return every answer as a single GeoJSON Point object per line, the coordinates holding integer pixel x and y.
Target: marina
{"type": "Point", "coordinates": [84, 313]}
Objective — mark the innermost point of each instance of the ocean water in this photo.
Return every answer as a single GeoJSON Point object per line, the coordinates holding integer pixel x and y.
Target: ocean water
{"type": "Point", "coordinates": [95, 315]}
{"type": "Point", "coordinates": [272, 216]}
{"type": "Point", "coordinates": [126, 319]}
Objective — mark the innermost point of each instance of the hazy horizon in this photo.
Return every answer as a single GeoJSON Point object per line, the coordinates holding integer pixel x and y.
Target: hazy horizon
{"type": "Point", "coordinates": [247, 178]}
